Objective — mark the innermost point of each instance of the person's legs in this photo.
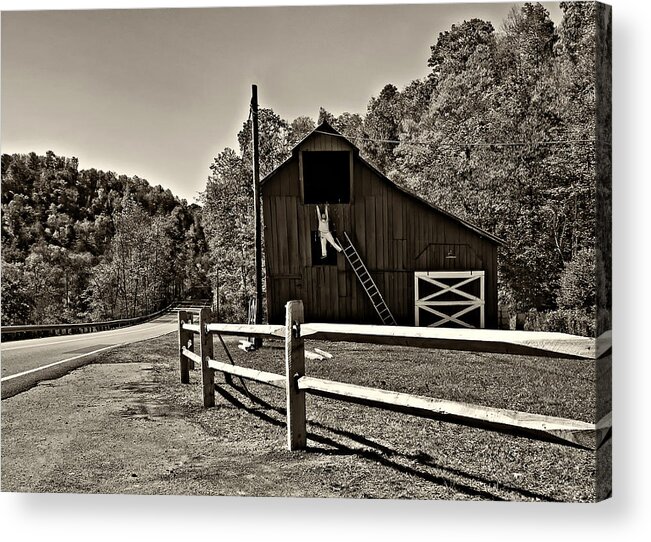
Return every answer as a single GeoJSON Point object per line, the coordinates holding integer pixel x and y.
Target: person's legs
{"type": "Point", "coordinates": [323, 246]}
{"type": "Point", "coordinates": [332, 241]}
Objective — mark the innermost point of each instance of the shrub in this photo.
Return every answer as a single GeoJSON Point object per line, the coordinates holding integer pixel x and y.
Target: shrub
{"type": "Point", "coordinates": [574, 321]}
{"type": "Point", "coordinates": [578, 282]}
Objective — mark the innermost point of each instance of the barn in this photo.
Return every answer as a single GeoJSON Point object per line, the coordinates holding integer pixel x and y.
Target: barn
{"type": "Point", "coordinates": [404, 261]}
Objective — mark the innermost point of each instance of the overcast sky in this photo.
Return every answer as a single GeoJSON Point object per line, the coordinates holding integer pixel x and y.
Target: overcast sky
{"type": "Point", "coordinates": [159, 92]}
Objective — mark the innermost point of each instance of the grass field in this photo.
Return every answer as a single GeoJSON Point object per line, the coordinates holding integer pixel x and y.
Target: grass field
{"type": "Point", "coordinates": [154, 428]}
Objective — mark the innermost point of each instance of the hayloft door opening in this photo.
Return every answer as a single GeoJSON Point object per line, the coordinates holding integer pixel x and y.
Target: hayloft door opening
{"type": "Point", "coordinates": [326, 176]}
{"type": "Point", "coordinates": [449, 298]}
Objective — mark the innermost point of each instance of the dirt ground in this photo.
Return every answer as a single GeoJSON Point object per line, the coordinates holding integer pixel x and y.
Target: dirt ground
{"type": "Point", "coordinates": [125, 424]}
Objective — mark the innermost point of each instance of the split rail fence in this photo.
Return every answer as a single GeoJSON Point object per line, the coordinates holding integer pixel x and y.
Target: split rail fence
{"type": "Point", "coordinates": [196, 346]}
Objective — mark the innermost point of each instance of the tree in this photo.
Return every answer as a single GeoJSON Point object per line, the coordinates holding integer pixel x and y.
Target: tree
{"type": "Point", "coordinates": [326, 116]}
{"type": "Point", "coordinates": [228, 207]}
{"type": "Point", "coordinates": [454, 47]}
{"type": "Point", "coordinates": [352, 126]}
{"type": "Point", "coordinates": [382, 125]}
{"type": "Point", "coordinates": [413, 101]}
{"type": "Point", "coordinates": [577, 283]}
{"type": "Point", "coordinates": [483, 148]}
{"type": "Point", "coordinates": [299, 128]}
{"type": "Point", "coordinates": [274, 133]}
{"type": "Point", "coordinates": [435, 156]}
{"type": "Point", "coordinates": [16, 298]}
{"type": "Point", "coordinates": [136, 275]}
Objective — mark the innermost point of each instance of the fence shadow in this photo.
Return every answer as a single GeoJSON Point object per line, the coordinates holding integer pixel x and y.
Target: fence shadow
{"type": "Point", "coordinates": [378, 453]}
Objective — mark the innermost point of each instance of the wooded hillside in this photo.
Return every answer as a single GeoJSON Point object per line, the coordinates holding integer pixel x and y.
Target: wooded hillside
{"type": "Point", "coordinates": [81, 245]}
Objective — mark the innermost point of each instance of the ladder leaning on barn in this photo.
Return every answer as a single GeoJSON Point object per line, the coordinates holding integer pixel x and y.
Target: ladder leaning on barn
{"type": "Point", "coordinates": [367, 282]}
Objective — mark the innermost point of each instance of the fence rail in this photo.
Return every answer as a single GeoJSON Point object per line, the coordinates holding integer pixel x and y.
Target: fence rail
{"type": "Point", "coordinates": [248, 330]}
{"type": "Point", "coordinates": [296, 384]}
{"type": "Point", "coordinates": [530, 343]}
{"type": "Point", "coordinates": [511, 422]}
{"type": "Point", "coordinates": [264, 377]}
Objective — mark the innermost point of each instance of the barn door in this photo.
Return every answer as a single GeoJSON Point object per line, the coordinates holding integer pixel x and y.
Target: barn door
{"type": "Point", "coordinates": [449, 298]}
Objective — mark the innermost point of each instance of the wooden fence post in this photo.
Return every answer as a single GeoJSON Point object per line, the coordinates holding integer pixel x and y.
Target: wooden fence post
{"type": "Point", "coordinates": [186, 339]}
{"type": "Point", "coordinates": [294, 369]}
{"type": "Point", "coordinates": [206, 352]}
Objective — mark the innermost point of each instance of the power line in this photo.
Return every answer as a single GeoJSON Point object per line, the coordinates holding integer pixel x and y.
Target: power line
{"type": "Point", "coordinates": [466, 144]}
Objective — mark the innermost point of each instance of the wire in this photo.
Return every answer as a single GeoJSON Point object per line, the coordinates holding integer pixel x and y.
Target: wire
{"type": "Point", "coordinates": [464, 145]}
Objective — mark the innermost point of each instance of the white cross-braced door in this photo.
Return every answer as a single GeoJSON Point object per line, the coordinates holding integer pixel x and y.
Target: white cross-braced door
{"type": "Point", "coordinates": [449, 298]}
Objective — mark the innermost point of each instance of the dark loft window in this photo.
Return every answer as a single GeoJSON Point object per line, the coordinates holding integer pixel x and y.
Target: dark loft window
{"type": "Point", "coordinates": [326, 176]}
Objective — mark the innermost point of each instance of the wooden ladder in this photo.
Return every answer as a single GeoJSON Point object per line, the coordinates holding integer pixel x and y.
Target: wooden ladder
{"type": "Point", "coordinates": [367, 282]}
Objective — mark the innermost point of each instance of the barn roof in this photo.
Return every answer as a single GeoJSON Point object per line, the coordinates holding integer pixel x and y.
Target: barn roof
{"type": "Point", "coordinates": [326, 129]}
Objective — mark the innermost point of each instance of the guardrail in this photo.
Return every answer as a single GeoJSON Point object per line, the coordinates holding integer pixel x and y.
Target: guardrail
{"type": "Point", "coordinates": [296, 383]}
{"type": "Point", "coordinates": [47, 330]}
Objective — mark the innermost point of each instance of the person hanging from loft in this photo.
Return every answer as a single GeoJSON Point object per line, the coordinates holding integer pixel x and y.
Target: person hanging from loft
{"type": "Point", "coordinates": [324, 232]}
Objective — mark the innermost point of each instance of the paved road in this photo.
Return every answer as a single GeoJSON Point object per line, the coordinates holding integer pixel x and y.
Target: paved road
{"type": "Point", "coordinates": [24, 363]}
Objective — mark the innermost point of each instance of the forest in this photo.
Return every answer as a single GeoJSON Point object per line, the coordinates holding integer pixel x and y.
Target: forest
{"type": "Point", "coordinates": [501, 131]}
{"type": "Point", "coordinates": [89, 245]}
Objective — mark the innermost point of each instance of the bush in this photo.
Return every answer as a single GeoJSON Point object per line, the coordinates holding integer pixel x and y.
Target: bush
{"type": "Point", "coordinates": [578, 282]}
{"type": "Point", "coordinates": [573, 321]}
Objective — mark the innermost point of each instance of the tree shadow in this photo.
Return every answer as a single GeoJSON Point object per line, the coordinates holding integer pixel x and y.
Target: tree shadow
{"type": "Point", "coordinates": [378, 453]}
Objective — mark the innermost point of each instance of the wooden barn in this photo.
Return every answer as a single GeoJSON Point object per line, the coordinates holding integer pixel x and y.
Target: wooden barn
{"type": "Point", "coordinates": [404, 261]}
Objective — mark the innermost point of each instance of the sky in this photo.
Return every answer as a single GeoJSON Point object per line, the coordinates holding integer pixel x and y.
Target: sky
{"type": "Point", "coordinates": [159, 92]}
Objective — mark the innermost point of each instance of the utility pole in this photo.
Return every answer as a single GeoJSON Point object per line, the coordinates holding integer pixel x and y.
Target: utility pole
{"type": "Point", "coordinates": [256, 206]}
